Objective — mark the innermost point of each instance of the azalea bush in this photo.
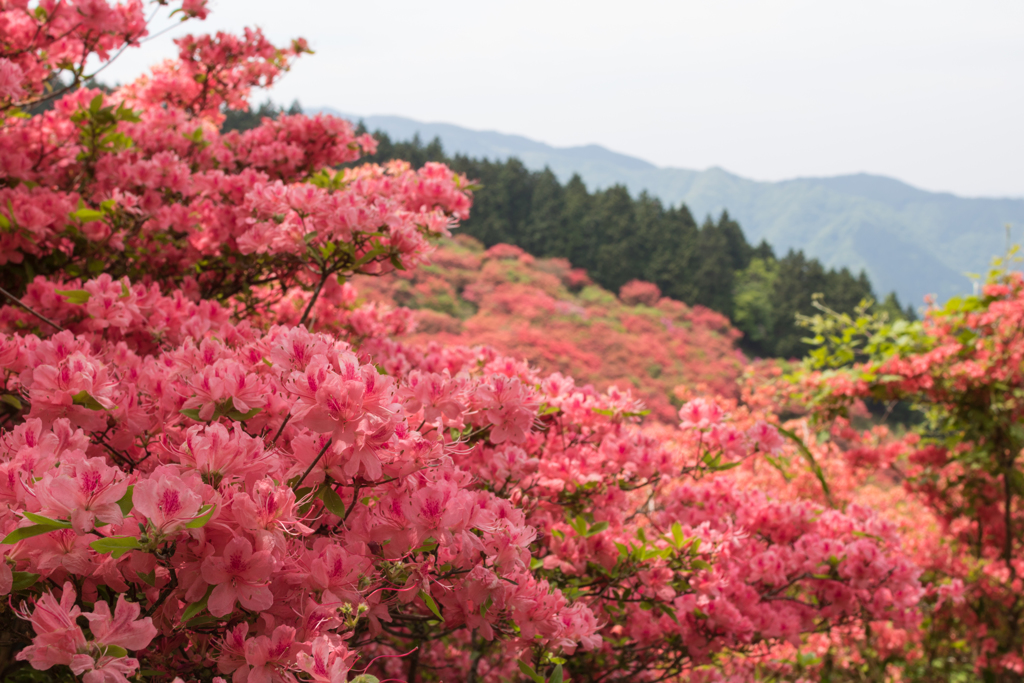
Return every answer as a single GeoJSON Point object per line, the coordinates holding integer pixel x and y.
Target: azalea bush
{"type": "Point", "coordinates": [956, 459]}
{"type": "Point", "coordinates": [217, 462]}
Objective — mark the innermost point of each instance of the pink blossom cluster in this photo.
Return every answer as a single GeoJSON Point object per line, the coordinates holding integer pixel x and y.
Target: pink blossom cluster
{"type": "Point", "coordinates": [43, 38]}
{"type": "Point", "coordinates": [183, 457]}
{"type": "Point", "coordinates": [281, 468]}
{"type": "Point", "coordinates": [639, 292]}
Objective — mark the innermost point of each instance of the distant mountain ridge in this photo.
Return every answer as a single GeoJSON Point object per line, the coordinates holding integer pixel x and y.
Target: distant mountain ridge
{"type": "Point", "coordinates": [908, 240]}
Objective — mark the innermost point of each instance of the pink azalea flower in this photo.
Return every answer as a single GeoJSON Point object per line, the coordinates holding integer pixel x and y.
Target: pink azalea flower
{"type": "Point", "coordinates": [123, 628]}
{"type": "Point", "coordinates": [700, 413]}
{"type": "Point", "coordinates": [326, 662]}
{"type": "Point", "coordinates": [167, 502]}
{"type": "Point", "coordinates": [225, 384]}
{"type": "Point", "coordinates": [269, 508]}
{"type": "Point", "coordinates": [766, 437]}
{"type": "Point", "coordinates": [65, 549]}
{"type": "Point", "coordinates": [84, 489]}
{"type": "Point", "coordinates": [232, 653]}
{"type": "Point", "coordinates": [239, 575]}
{"type": "Point", "coordinates": [55, 388]}
{"type": "Point", "coordinates": [105, 669]}
{"type": "Point", "coordinates": [58, 638]}
{"type": "Point", "coordinates": [508, 406]}
{"type": "Point", "coordinates": [11, 78]}
{"type": "Point", "coordinates": [270, 658]}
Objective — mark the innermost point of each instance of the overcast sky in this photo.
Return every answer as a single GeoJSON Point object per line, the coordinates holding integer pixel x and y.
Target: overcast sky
{"type": "Point", "coordinates": [930, 92]}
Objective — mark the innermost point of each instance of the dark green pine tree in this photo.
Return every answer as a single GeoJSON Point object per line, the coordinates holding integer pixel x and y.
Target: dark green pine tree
{"type": "Point", "coordinates": [548, 217]}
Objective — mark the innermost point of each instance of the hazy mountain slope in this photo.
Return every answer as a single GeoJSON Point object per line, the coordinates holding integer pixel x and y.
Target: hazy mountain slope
{"type": "Point", "coordinates": [909, 240]}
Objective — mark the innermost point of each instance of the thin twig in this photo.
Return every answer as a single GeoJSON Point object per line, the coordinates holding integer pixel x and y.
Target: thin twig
{"type": "Point", "coordinates": [355, 496]}
{"type": "Point", "coordinates": [312, 300]}
{"type": "Point", "coordinates": [29, 309]}
{"type": "Point", "coordinates": [312, 464]}
{"type": "Point", "coordinates": [281, 429]}
{"type": "Point", "coordinates": [167, 590]}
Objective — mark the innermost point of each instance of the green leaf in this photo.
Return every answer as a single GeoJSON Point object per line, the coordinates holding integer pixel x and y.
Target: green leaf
{"type": "Point", "coordinates": [192, 413]}
{"type": "Point", "coordinates": [528, 670]}
{"type": "Point", "coordinates": [815, 467]}
{"type": "Point", "coordinates": [196, 607]}
{"type": "Point", "coordinates": [596, 529]}
{"type": "Point", "coordinates": [428, 546]}
{"type": "Point", "coordinates": [148, 577]}
{"type": "Point", "coordinates": [86, 215]}
{"type": "Point", "coordinates": [115, 545]}
{"type": "Point", "coordinates": [205, 513]}
{"type": "Point", "coordinates": [86, 400]}
{"type": "Point", "coordinates": [579, 525]}
{"type": "Point", "coordinates": [807, 659]}
{"type": "Point", "coordinates": [23, 580]}
{"type": "Point", "coordinates": [365, 678]}
{"type": "Point", "coordinates": [28, 532]}
{"type": "Point", "coordinates": [727, 466]}
{"type": "Point", "coordinates": [556, 675]}
{"type": "Point", "coordinates": [126, 503]}
{"type": "Point", "coordinates": [545, 409]}
{"type": "Point", "coordinates": [74, 296]}
{"type": "Point", "coordinates": [332, 501]}
{"type": "Point", "coordinates": [242, 417]}
{"type": "Point", "coordinates": [115, 651]}
{"type": "Point", "coordinates": [46, 521]}
{"type": "Point", "coordinates": [431, 605]}
{"type": "Point", "coordinates": [669, 611]}
{"type": "Point", "coordinates": [677, 534]}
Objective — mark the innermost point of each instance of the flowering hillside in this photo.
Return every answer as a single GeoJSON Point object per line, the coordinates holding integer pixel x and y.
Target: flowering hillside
{"type": "Point", "coordinates": [546, 312]}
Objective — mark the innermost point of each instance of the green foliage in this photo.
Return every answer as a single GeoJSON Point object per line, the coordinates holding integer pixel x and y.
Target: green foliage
{"type": "Point", "coordinates": [754, 312]}
{"type": "Point", "coordinates": [842, 339]}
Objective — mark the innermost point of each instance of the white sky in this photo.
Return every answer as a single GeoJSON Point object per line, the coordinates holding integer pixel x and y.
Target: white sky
{"type": "Point", "coordinates": [930, 92]}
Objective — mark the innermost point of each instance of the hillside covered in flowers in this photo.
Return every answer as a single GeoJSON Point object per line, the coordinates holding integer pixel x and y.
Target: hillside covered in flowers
{"type": "Point", "coordinates": [552, 315]}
